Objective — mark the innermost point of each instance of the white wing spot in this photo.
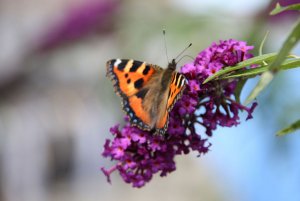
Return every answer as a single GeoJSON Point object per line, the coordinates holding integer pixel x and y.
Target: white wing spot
{"type": "Point", "coordinates": [182, 81]}
{"type": "Point", "coordinates": [186, 81]}
{"type": "Point", "coordinates": [117, 62]}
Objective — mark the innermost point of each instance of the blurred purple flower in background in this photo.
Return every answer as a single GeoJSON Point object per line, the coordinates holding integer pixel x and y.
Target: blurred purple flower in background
{"type": "Point", "coordinates": [288, 15]}
{"type": "Point", "coordinates": [140, 154]}
{"type": "Point", "coordinates": [91, 17]}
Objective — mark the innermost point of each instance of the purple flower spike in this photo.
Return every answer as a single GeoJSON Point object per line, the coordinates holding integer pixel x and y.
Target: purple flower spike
{"type": "Point", "coordinates": [140, 154]}
{"type": "Point", "coordinates": [81, 21]}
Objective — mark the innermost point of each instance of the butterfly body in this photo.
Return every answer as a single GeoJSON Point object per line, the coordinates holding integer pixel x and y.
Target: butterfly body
{"type": "Point", "coordinates": [148, 91]}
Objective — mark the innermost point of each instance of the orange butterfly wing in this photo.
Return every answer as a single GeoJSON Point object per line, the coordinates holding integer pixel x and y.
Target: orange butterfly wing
{"type": "Point", "coordinates": [129, 77]}
{"type": "Point", "coordinates": [176, 88]}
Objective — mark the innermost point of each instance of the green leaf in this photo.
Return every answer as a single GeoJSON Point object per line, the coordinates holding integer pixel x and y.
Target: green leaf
{"type": "Point", "coordinates": [291, 128]}
{"type": "Point", "coordinates": [290, 64]}
{"type": "Point", "coordinates": [262, 43]}
{"type": "Point", "coordinates": [248, 62]}
{"type": "Point", "coordinates": [252, 72]}
{"type": "Point", "coordinates": [279, 9]}
{"type": "Point", "coordinates": [248, 73]}
{"type": "Point", "coordinates": [289, 43]}
{"type": "Point", "coordinates": [264, 81]}
{"type": "Point", "coordinates": [238, 90]}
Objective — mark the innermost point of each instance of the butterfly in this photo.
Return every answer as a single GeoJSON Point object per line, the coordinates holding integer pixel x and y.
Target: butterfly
{"type": "Point", "coordinates": [148, 91]}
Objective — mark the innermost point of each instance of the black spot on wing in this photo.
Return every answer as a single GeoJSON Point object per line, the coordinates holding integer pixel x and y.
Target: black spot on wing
{"type": "Point", "coordinates": [135, 66]}
{"type": "Point", "coordinates": [142, 93]}
{"type": "Point", "coordinates": [138, 63]}
{"type": "Point", "coordinates": [111, 62]}
{"type": "Point", "coordinates": [146, 70]}
{"type": "Point", "coordinates": [139, 83]}
{"type": "Point", "coordinates": [177, 79]}
{"type": "Point", "coordinates": [126, 75]}
{"type": "Point", "coordinates": [122, 65]}
{"type": "Point", "coordinates": [182, 80]}
{"type": "Point", "coordinates": [128, 81]}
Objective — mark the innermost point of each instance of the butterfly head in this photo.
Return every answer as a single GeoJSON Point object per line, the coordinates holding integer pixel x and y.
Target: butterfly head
{"type": "Point", "coordinates": [172, 65]}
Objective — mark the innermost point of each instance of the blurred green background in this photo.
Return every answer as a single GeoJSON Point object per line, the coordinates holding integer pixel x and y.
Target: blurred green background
{"type": "Point", "coordinates": [56, 105]}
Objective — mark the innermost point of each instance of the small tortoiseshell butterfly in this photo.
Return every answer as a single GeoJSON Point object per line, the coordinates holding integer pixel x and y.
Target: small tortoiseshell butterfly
{"type": "Point", "coordinates": [148, 91]}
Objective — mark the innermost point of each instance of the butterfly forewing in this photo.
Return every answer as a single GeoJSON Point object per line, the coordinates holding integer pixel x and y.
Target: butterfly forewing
{"type": "Point", "coordinates": [129, 78]}
{"type": "Point", "coordinates": [175, 90]}
{"type": "Point", "coordinates": [178, 83]}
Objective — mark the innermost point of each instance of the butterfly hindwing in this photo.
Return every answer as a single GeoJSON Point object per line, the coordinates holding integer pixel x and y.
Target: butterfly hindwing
{"type": "Point", "coordinates": [129, 78]}
{"type": "Point", "coordinates": [162, 124]}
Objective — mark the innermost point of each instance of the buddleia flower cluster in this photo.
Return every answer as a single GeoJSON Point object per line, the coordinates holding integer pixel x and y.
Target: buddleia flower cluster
{"type": "Point", "coordinates": [138, 154]}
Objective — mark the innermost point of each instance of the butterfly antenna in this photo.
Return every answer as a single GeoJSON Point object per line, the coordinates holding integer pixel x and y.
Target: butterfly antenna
{"type": "Point", "coordinates": [183, 51]}
{"type": "Point", "coordinates": [164, 33]}
{"type": "Point", "coordinates": [184, 57]}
